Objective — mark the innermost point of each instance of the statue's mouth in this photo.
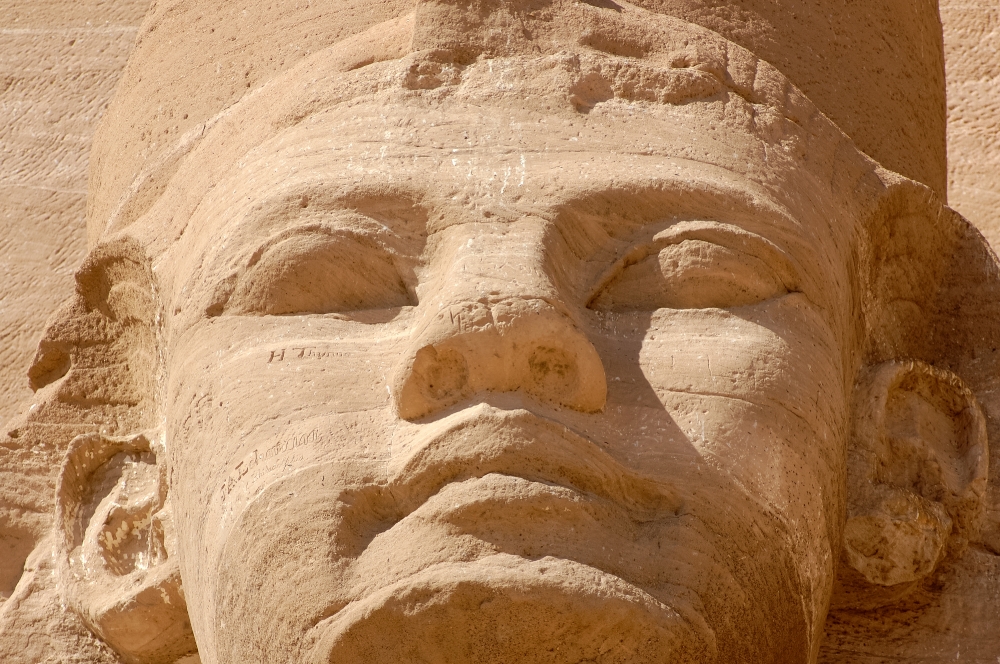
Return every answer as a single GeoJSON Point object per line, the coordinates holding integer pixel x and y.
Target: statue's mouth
{"type": "Point", "coordinates": [483, 440]}
{"type": "Point", "coordinates": [552, 517]}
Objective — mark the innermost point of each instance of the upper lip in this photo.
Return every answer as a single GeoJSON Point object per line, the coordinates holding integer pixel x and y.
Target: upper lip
{"type": "Point", "coordinates": [481, 440]}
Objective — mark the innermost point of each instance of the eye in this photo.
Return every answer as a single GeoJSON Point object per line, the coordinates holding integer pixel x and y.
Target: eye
{"type": "Point", "coordinates": [320, 273]}
{"type": "Point", "coordinates": [691, 274]}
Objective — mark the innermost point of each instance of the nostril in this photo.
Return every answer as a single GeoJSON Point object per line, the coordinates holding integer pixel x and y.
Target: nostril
{"type": "Point", "coordinates": [554, 373]}
{"type": "Point", "coordinates": [516, 345]}
{"type": "Point", "coordinates": [442, 373]}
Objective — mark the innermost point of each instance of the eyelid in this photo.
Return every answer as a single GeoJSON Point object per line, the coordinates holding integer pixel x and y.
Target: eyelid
{"type": "Point", "coordinates": [374, 237]}
{"type": "Point", "coordinates": [724, 235]}
{"type": "Point", "coordinates": [361, 235]}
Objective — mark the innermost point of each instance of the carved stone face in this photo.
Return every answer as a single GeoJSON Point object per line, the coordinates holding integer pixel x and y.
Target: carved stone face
{"type": "Point", "coordinates": [452, 378]}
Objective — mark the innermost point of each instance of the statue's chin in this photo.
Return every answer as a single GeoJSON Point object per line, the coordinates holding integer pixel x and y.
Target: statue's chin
{"type": "Point", "coordinates": [506, 609]}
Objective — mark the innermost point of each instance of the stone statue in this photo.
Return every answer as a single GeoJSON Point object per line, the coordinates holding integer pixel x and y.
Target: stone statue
{"type": "Point", "coordinates": [508, 332]}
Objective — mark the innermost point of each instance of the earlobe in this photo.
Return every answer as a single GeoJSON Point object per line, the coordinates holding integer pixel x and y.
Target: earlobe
{"type": "Point", "coordinates": [115, 541]}
{"type": "Point", "coordinates": [917, 472]}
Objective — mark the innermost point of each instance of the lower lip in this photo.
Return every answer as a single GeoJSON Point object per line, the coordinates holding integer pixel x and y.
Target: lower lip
{"type": "Point", "coordinates": [506, 608]}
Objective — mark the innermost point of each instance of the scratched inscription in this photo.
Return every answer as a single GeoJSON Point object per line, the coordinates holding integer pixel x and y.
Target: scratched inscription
{"type": "Point", "coordinates": [261, 462]}
{"type": "Point", "coordinates": [302, 353]}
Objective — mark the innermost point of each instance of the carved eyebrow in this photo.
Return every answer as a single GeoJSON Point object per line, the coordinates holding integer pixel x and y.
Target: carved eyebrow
{"type": "Point", "coordinates": [401, 209]}
{"type": "Point", "coordinates": [598, 224]}
{"type": "Point", "coordinates": [313, 207]}
{"type": "Point", "coordinates": [724, 235]}
{"type": "Point", "coordinates": [621, 210]}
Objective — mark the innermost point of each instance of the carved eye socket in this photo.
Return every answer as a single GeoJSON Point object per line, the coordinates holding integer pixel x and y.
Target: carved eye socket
{"type": "Point", "coordinates": [691, 274]}
{"type": "Point", "coordinates": [320, 273]}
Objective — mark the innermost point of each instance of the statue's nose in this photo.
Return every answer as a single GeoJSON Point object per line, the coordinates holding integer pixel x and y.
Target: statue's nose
{"type": "Point", "coordinates": [511, 338]}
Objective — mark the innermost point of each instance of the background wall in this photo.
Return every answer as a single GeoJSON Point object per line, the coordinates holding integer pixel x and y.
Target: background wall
{"type": "Point", "coordinates": [972, 65]}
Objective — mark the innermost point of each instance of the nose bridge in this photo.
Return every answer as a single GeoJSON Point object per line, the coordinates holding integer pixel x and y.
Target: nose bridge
{"type": "Point", "coordinates": [507, 262]}
{"type": "Point", "coordinates": [494, 323]}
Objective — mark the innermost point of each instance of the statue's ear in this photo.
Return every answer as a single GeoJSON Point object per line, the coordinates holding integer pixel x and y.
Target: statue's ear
{"type": "Point", "coordinates": [115, 546]}
{"type": "Point", "coordinates": [917, 472]}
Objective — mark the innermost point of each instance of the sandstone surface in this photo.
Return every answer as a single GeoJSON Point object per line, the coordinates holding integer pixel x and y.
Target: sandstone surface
{"type": "Point", "coordinates": [972, 49]}
{"type": "Point", "coordinates": [529, 330]}
{"type": "Point", "coordinates": [60, 63]}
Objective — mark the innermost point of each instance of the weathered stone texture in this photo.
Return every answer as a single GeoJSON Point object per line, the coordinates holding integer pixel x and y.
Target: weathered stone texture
{"type": "Point", "coordinates": [59, 63]}
{"type": "Point", "coordinates": [972, 50]}
{"type": "Point", "coordinates": [534, 331]}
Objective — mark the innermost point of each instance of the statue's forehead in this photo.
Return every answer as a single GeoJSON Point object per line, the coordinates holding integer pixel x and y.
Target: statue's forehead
{"type": "Point", "coordinates": [470, 166]}
{"type": "Point", "coordinates": [465, 152]}
{"type": "Point", "coordinates": [230, 51]}
{"type": "Point", "coordinates": [538, 93]}
{"type": "Point", "coordinates": [631, 54]}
